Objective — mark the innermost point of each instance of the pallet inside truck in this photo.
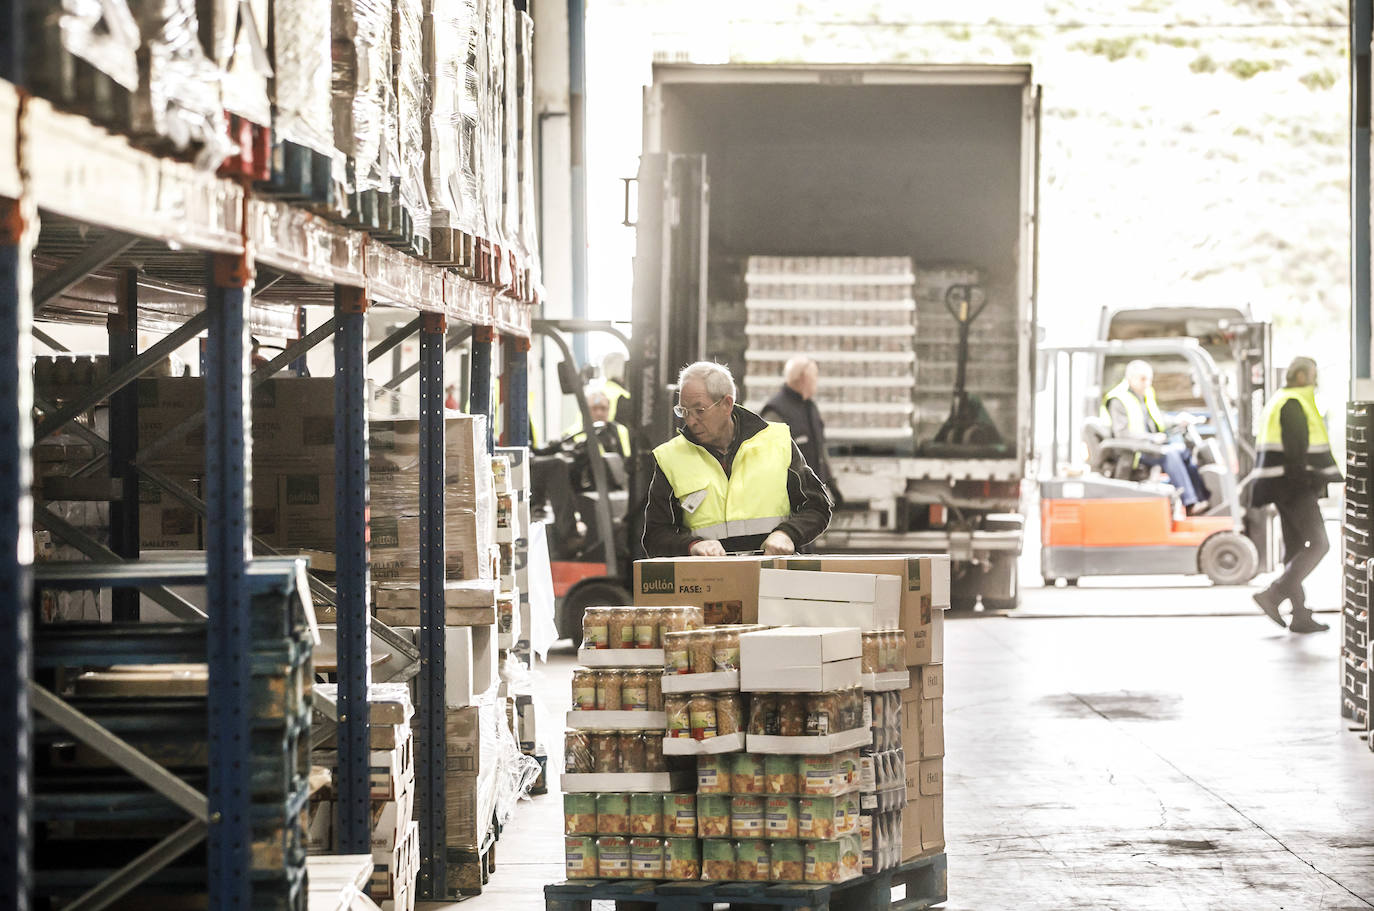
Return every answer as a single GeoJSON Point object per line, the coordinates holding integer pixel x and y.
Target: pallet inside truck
{"type": "Point", "coordinates": [926, 882]}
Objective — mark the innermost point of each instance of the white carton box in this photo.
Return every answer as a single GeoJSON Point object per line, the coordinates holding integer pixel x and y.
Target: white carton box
{"type": "Point", "coordinates": [795, 598]}
{"type": "Point", "coordinates": [486, 662]}
{"type": "Point", "coordinates": [800, 660]}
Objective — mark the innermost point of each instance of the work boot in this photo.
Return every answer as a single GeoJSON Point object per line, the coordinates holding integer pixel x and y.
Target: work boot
{"type": "Point", "coordinates": [1304, 622]}
{"type": "Point", "coordinates": [1269, 602]}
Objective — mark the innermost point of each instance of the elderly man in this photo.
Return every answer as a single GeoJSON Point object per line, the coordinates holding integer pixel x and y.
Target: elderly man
{"type": "Point", "coordinates": [1134, 412]}
{"type": "Point", "coordinates": [1292, 469]}
{"type": "Point", "coordinates": [730, 482]}
{"type": "Point", "coordinates": [794, 404]}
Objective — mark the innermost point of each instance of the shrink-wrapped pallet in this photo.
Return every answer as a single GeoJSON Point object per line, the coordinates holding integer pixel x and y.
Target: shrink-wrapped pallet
{"type": "Point", "coordinates": [302, 66]}
{"type": "Point", "coordinates": [361, 88]}
{"type": "Point", "coordinates": [451, 119]}
{"type": "Point", "coordinates": [411, 90]}
{"type": "Point", "coordinates": [510, 126]}
{"type": "Point", "coordinates": [529, 224]}
{"type": "Point", "coordinates": [234, 36]}
{"type": "Point", "coordinates": [100, 33]}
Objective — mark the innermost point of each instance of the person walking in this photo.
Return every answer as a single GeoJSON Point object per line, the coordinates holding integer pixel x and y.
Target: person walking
{"type": "Point", "coordinates": [795, 405]}
{"type": "Point", "coordinates": [729, 482]}
{"type": "Point", "coordinates": [1292, 469]}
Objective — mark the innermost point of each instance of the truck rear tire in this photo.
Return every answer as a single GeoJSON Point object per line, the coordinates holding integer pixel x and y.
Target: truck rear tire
{"type": "Point", "coordinates": [1001, 577]}
{"type": "Point", "coordinates": [1228, 558]}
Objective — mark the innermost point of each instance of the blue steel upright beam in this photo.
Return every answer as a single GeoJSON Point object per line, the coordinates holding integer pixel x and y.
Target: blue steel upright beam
{"type": "Point", "coordinates": [432, 795]}
{"type": "Point", "coordinates": [1361, 23]}
{"type": "Point", "coordinates": [479, 398]}
{"type": "Point", "coordinates": [351, 535]}
{"type": "Point", "coordinates": [228, 498]}
{"type": "Point", "coordinates": [516, 378]}
{"type": "Point", "coordinates": [18, 225]}
{"type": "Point", "coordinates": [123, 331]}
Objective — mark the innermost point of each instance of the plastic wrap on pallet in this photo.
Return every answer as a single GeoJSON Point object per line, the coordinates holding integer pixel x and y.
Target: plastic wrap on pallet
{"type": "Point", "coordinates": [515, 772]}
{"type": "Point", "coordinates": [492, 101]}
{"type": "Point", "coordinates": [101, 32]}
{"type": "Point", "coordinates": [361, 88]}
{"type": "Point", "coordinates": [448, 119]}
{"type": "Point", "coordinates": [529, 230]}
{"type": "Point", "coordinates": [510, 127]}
{"type": "Point", "coordinates": [302, 67]}
{"type": "Point", "coordinates": [178, 96]}
{"type": "Point", "coordinates": [412, 102]}
{"type": "Point", "coordinates": [234, 36]}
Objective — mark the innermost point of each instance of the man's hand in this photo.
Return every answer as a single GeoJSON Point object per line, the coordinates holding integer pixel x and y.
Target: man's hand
{"type": "Point", "coordinates": [1159, 438]}
{"type": "Point", "coordinates": [707, 548]}
{"type": "Point", "coordinates": [778, 544]}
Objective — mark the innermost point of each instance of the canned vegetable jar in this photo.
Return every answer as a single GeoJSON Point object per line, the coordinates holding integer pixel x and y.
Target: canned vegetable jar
{"type": "Point", "coordinates": [682, 858]}
{"type": "Point", "coordinates": [746, 816]}
{"type": "Point", "coordinates": [679, 718]}
{"type": "Point", "coordinates": [713, 816]}
{"type": "Point", "coordinates": [747, 773]}
{"type": "Point", "coordinates": [579, 814]}
{"type": "Point", "coordinates": [787, 862]}
{"type": "Point", "coordinates": [752, 860]}
{"type": "Point", "coordinates": [613, 857]}
{"type": "Point", "coordinates": [634, 691]}
{"type": "Point", "coordinates": [780, 817]}
{"type": "Point", "coordinates": [646, 858]}
{"type": "Point", "coordinates": [701, 708]}
{"type": "Point", "coordinates": [713, 774]}
{"type": "Point", "coordinates": [680, 815]}
{"type": "Point", "coordinates": [718, 859]}
{"type": "Point", "coordinates": [676, 658]}
{"type": "Point", "coordinates": [579, 857]}
{"type": "Point", "coordinates": [584, 689]}
{"type": "Point", "coordinates": [646, 814]}
{"type": "Point", "coordinates": [595, 631]}
{"type": "Point", "coordinates": [613, 814]}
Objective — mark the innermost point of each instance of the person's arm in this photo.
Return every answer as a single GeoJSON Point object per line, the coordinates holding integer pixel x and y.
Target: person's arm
{"type": "Point", "coordinates": [811, 506]}
{"type": "Point", "coordinates": [1293, 425]}
{"type": "Point", "coordinates": [663, 535]}
{"type": "Point", "coordinates": [1120, 420]}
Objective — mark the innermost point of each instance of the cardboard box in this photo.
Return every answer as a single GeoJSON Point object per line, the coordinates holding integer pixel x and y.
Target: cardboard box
{"type": "Point", "coordinates": [923, 820]}
{"type": "Point", "coordinates": [470, 802]}
{"type": "Point", "coordinates": [486, 660]}
{"type": "Point", "coordinates": [797, 598]}
{"type": "Point", "coordinates": [725, 588]}
{"type": "Point", "coordinates": [925, 594]}
{"type": "Point", "coordinates": [470, 737]}
{"type": "Point", "coordinates": [923, 714]}
{"type": "Point", "coordinates": [807, 660]}
{"type": "Point", "coordinates": [163, 404]}
{"type": "Point", "coordinates": [293, 424]}
{"type": "Point", "coordinates": [319, 827]}
{"type": "Point", "coordinates": [164, 522]}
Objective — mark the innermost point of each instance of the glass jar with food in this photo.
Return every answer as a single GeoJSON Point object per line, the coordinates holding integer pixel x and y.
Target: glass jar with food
{"type": "Point", "coordinates": [729, 714]}
{"type": "Point", "coordinates": [679, 717]}
{"type": "Point", "coordinates": [595, 630]}
{"type": "Point", "coordinates": [608, 685]}
{"type": "Point", "coordinates": [605, 747]}
{"type": "Point", "coordinates": [631, 745]}
{"type": "Point", "coordinates": [653, 752]}
{"type": "Point", "coordinates": [763, 713]}
{"type": "Point", "coordinates": [676, 655]}
{"type": "Point", "coordinates": [584, 689]}
{"type": "Point", "coordinates": [702, 709]}
{"type": "Point", "coordinates": [872, 652]}
{"type": "Point", "coordinates": [634, 691]}
{"type": "Point", "coordinates": [702, 651]}
{"type": "Point", "coordinates": [791, 715]}
{"type": "Point", "coordinates": [577, 752]}
{"type": "Point", "coordinates": [726, 649]}
{"type": "Point", "coordinates": [655, 690]}
{"type": "Point", "coordinates": [648, 624]}
{"type": "Point", "coordinates": [822, 714]}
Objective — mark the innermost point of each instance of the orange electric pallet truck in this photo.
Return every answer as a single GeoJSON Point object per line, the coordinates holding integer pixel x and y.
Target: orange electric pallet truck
{"type": "Point", "coordinates": [1107, 514]}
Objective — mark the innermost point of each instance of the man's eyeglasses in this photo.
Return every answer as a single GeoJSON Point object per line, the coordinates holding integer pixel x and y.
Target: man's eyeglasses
{"type": "Point", "coordinates": [697, 413]}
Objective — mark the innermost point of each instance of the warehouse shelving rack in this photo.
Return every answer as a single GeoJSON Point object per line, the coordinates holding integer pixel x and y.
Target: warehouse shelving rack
{"type": "Point", "coordinates": [205, 252]}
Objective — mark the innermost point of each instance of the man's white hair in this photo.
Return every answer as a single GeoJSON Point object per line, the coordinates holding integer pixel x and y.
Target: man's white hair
{"type": "Point", "coordinates": [1301, 368]}
{"type": "Point", "coordinates": [719, 382]}
{"type": "Point", "coordinates": [613, 366]}
{"type": "Point", "coordinates": [1138, 368]}
{"type": "Point", "coordinates": [598, 397]}
{"type": "Point", "coordinates": [796, 368]}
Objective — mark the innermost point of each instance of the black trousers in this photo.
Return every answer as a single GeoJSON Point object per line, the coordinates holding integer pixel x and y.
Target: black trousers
{"type": "Point", "coordinates": [1304, 544]}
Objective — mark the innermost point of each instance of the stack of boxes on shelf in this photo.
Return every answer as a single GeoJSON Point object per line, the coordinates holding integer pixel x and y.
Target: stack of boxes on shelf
{"type": "Point", "coordinates": [818, 748]}
{"type": "Point", "coordinates": [412, 119]}
{"type": "Point", "coordinates": [1358, 535]}
{"type": "Point", "coordinates": [855, 316]}
{"type": "Point", "coordinates": [395, 831]}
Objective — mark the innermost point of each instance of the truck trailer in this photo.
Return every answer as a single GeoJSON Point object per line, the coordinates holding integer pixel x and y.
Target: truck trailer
{"type": "Point", "coordinates": [882, 220]}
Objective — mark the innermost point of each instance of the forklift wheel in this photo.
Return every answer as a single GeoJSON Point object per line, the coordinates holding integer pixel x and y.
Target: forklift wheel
{"type": "Point", "coordinates": [594, 591]}
{"type": "Point", "coordinates": [1228, 558]}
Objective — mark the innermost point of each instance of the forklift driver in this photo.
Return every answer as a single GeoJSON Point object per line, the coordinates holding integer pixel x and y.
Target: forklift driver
{"type": "Point", "coordinates": [729, 482]}
{"type": "Point", "coordinates": [1134, 412]}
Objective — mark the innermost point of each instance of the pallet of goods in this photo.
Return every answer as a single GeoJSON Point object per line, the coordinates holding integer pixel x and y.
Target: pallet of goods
{"type": "Point", "coordinates": [804, 779]}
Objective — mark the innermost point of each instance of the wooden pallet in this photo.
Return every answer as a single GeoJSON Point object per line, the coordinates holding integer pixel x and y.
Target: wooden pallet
{"type": "Point", "coordinates": [467, 871]}
{"type": "Point", "coordinates": [924, 883]}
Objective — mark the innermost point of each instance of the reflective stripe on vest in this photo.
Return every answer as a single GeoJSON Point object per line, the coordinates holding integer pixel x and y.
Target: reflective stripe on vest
{"type": "Point", "coordinates": [1269, 458]}
{"type": "Point", "coordinates": [752, 501]}
{"type": "Point", "coordinates": [1135, 415]}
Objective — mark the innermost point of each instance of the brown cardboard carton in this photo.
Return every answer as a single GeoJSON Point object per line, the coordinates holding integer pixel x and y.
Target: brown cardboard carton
{"type": "Point", "coordinates": [725, 588]}
{"type": "Point", "coordinates": [163, 404]}
{"type": "Point", "coordinates": [164, 522]}
{"type": "Point", "coordinates": [925, 593]}
{"type": "Point", "coordinates": [923, 718]}
{"type": "Point", "coordinates": [293, 423]}
{"type": "Point", "coordinates": [923, 820]}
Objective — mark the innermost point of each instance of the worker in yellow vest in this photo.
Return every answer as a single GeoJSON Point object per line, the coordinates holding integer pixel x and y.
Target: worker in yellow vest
{"type": "Point", "coordinates": [1292, 468]}
{"type": "Point", "coordinates": [599, 405]}
{"type": "Point", "coordinates": [729, 482]}
{"type": "Point", "coordinates": [1134, 411]}
{"type": "Point", "coordinates": [613, 378]}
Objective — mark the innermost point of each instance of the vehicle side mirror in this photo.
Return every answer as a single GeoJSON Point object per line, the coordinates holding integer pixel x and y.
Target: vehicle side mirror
{"type": "Point", "coordinates": [568, 379]}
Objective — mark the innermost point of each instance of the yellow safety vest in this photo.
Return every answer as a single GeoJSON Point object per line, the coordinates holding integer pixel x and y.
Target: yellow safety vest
{"type": "Point", "coordinates": [1135, 415]}
{"type": "Point", "coordinates": [1269, 460]}
{"type": "Point", "coordinates": [615, 392]}
{"type": "Point", "coordinates": [621, 429]}
{"type": "Point", "coordinates": [753, 500]}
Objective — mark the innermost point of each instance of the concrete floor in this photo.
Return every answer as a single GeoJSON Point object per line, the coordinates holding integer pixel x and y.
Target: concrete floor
{"type": "Point", "coordinates": [1100, 757]}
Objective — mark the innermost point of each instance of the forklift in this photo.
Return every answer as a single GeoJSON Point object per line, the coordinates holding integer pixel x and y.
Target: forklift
{"type": "Point", "coordinates": [1112, 515]}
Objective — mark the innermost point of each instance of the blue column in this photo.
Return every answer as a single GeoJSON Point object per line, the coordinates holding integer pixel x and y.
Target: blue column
{"type": "Point", "coordinates": [300, 366]}
{"type": "Point", "coordinates": [351, 526]}
{"type": "Point", "coordinates": [18, 224]}
{"type": "Point", "coordinates": [1361, 15]}
{"type": "Point", "coordinates": [228, 456]}
{"type": "Point", "coordinates": [479, 400]}
{"type": "Point", "coordinates": [430, 754]}
{"type": "Point", "coordinates": [123, 346]}
{"type": "Point", "coordinates": [517, 381]}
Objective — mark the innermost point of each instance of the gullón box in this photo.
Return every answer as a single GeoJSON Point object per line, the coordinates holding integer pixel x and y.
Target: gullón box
{"type": "Point", "coordinates": [725, 588]}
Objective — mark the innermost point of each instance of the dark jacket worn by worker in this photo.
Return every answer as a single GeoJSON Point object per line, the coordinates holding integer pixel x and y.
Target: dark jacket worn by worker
{"type": "Point", "coordinates": [803, 418]}
{"type": "Point", "coordinates": [760, 485]}
{"type": "Point", "coordinates": [1294, 451]}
